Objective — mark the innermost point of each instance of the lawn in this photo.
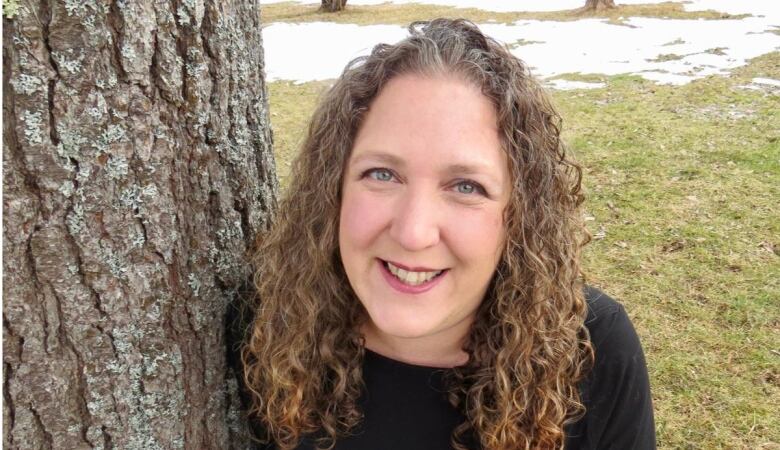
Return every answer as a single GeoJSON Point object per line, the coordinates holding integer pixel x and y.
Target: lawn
{"type": "Point", "coordinates": [683, 185]}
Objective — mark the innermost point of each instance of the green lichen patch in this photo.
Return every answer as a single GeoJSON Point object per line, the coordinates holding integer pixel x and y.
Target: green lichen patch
{"type": "Point", "coordinates": [27, 84]}
{"type": "Point", "coordinates": [113, 133]}
{"type": "Point", "coordinates": [33, 126]}
{"type": "Point", "coordinates": [10, 8]}
{"type": "Point", "coordinates": [69, 61]}
{"type": "Point", "coordinates": [117, 167]}
{"type": "Point", "coordinates": [67, 188]}
{"type": "Point", "coordinates": [194, 283]}
{"type": "Point", "coordinates": [134, 197]}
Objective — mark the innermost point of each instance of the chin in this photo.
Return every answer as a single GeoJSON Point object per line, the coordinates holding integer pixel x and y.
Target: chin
{"type": "Point", "coordinates": [403, 327]}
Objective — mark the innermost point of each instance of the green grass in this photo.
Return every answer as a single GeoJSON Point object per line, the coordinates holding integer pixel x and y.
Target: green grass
{"type": "Point", "coordinates": [685, 183]}
{"type": "Point", "coordinates": [387, 13]}
{"type": "Point", "coordinates": [291, 106]}
{"type": "Point", "coordinates": [687, 194]}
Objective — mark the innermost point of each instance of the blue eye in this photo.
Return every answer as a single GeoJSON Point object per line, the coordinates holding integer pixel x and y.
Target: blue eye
{"type": "Point", "coordinates": [380, 174]}
{"type": "Point", "coordinates": [466, 188]}
{"type": "Point", "coordinates": [469, 187]}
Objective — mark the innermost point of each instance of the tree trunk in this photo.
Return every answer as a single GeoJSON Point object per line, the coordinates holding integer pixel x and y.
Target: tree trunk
{"type": "Point", "coordinates": [599, 5]}
{"type": "Point", "coordinates": [138, 166]}
{"type": "Point", "coordinates": [333, 5]}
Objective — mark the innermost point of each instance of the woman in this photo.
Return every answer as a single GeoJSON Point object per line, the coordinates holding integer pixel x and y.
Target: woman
{"type": "Point", "coordinates": [421, 286]}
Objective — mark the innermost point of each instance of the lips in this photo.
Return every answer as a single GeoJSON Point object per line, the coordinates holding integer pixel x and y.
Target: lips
{"type": "Point", "coordinates": [411, 269]}
{"type": "Point", "coordinates": [410, 282]}
{"type": "Point", "coordinates": [410, 277]}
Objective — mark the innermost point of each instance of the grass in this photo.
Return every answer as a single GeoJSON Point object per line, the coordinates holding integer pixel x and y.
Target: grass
{"type": "Point", "coordinates": [683, 182]}
{"type": "Point", "coordinates": [687, 195]}
{"type": "Point", "coordinates": [403, 14]}
{"type": "Point", "coordinates": [291, 105]}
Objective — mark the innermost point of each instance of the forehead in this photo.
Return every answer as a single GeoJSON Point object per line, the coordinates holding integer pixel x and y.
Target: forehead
{"type": "Point", "coordinates": [431, 117]}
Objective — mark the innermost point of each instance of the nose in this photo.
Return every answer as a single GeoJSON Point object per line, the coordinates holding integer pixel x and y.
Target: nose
{"type": "Point", "coordinates": [415, 224]}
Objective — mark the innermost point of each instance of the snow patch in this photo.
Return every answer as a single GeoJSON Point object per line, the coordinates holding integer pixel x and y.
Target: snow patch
{"type": "Point", "coordinates": [325, 50]}
{"type": "Point", "coordinates": [665, 51]}
{"type": "Point", "coordinates": [766, 85]}
{"type": "Point", "coordinates": [767, 82]}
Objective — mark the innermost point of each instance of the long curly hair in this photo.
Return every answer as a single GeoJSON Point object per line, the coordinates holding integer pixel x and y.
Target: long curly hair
{"type": "Point", "coordinates": [528, 347]}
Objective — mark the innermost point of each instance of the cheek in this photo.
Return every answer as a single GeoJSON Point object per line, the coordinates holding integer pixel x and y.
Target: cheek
{"type": "Point", "coordinates": [361, 219]}
{"type": "Point", "coordinates": [478, 237]}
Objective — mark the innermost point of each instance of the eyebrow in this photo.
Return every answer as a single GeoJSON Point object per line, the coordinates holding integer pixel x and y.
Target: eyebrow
{"type": "Point", "coordinates": [452, 169]}
{"type": "Point", "coordinates": [466, 169]}
{"type": "Point", "coordinates": [378, 156]}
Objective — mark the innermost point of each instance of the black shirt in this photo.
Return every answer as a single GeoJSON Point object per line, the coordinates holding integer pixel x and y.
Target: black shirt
{"type": "Point", "coordinates": [405, 406]}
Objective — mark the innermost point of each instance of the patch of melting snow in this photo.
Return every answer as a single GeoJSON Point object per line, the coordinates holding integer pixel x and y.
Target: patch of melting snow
{"type": "Point", "coordinates": [566, 85]}
{"type": "Point", "coordinates": [613, 49]}
{"type": "Point", "coordinates": [766, 81]}
{"type": "Point", "coordinates": [485, 5]}
{"type": "Point", "coordinates": [662, 50]}
{"type": "Point", "coordinates": [766, 85]}
{"type": "Point", "coordinates": [320, 50]}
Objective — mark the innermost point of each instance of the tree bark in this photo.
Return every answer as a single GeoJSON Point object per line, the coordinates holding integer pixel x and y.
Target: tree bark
{"type": "Point", "coordinates": [333, 5]}
{"type": "Point", "coordinates": [599, 5]}
{"type": "Point", "coordinates": [138, 166]}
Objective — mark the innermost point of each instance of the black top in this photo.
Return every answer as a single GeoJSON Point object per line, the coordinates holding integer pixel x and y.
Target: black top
{"type": "Point", "coordinates": [405, 406]}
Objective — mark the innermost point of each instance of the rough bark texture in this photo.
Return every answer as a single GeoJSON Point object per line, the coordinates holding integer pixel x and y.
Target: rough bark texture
{"type": "Point", "coordinates": [138, 166]}
{"type": "Point", "coordinates": [333, 5]}
{"type": "Point", "coordinates": [599, 5]}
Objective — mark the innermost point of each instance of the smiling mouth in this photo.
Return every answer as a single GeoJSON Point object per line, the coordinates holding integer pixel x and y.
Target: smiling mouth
{"type": "Point", "coordinates": [412, 278]}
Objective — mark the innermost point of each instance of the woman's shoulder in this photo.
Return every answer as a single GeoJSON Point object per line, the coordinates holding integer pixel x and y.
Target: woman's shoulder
{"type": "Point", "coordinates": [616, 393]}
{"type": "Point", "coordinates": [608, 323]}
{"type": "Point", "coordinates": [600, 305]}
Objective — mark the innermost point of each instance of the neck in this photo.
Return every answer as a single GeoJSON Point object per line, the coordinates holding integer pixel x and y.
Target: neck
{"type": "Point", "coordinates": [440, 350]}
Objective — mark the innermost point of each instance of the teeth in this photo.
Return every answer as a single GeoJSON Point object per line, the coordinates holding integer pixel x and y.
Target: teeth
{"type": "Point", "coordinates": [411, 278]}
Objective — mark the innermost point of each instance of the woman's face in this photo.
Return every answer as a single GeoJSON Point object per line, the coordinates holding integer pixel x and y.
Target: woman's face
{"type": "Point", "coordinates": [421, 227]}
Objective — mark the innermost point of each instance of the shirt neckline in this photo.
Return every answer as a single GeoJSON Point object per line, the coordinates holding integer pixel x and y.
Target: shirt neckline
{"type": "Point", "coordinates": [370, 354]}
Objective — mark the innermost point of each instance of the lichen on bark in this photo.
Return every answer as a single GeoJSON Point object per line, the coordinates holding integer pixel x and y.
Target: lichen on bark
{"type": "Point", "coordinates": [137, 168]}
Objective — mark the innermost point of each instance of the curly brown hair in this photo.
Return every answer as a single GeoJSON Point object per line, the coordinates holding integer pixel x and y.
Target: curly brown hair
{"type": "Point", "coordinates": [528, 347]}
